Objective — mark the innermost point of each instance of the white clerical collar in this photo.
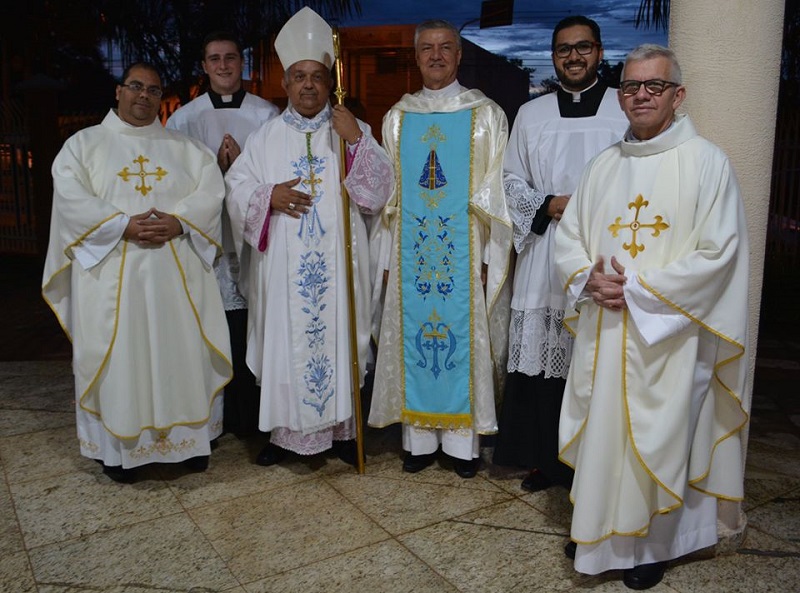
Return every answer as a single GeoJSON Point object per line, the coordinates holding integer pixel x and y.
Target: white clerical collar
{"type": "Point", "coordinates": [576, 95]}
{"type": "Point", "coordinates": [629, 137]}
{"type": "Point", "coordinates": [679, 132]}
{"type": "Point", "coordinates": [451, 90]}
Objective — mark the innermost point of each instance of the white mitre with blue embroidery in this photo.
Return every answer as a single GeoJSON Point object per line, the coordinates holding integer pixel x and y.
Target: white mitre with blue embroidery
{"type": "Point", "coordinates": [305, 36]}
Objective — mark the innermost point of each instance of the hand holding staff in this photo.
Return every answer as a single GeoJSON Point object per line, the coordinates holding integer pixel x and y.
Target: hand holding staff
{"type": "Point", "coordinates": [348, 245]}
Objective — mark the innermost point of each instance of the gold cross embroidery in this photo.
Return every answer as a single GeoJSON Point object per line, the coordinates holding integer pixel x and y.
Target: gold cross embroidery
{"type": "Point", "coordinates": [312, 182]}
{"type": "Point", "coordinates": [432, 199]}
{"type": "Point", "coordinates": [657, 226]}
{"type": "Point", "coordinates": [159, 174]}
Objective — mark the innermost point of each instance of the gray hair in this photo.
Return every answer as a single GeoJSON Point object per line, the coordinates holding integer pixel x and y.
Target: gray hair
{"type": "Point", "coordinates": [437, 24]}
{"type": "Point", "coordinates": [649, 51]}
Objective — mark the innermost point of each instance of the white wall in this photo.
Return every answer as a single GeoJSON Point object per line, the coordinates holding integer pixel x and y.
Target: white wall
{"type": "Point", "coordinates": [729, 52]}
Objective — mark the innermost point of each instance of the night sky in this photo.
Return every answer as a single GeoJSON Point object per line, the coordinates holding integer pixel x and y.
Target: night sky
{"type": "Point", "coordinates": [529, 37]}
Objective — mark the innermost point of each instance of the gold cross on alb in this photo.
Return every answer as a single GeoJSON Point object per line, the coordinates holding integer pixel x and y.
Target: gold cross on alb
{"type": "Point", "coordinates": [159, 173]}
{"type": "Point", "coordinates": [657, 226]}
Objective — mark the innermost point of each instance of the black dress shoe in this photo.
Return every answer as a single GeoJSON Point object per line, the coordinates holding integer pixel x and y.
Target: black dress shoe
{"type": "Point", "coordinates": [467, 468]}
{"type": "Point", "coordinates": [347, 451]}
{"type": "Point", "coordinates": [644, 576]}
{"type": "Point", "coordinates": [120, 474]}
{"type": "Point", "coordinates": [416, 463]}
{"type": "Point", "coordinates": [270, 455]}
{"type": "Point", "coordinates": [570, 549]}
{"type": "Point", "coordinates": [197, 464]}
{"type": "Point", "coordinates": [535, 481]}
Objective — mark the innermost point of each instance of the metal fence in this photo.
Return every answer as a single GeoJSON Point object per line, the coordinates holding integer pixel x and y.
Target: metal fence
{"type": "Point", "coordinates": [783, 233]}
{"type": "Point", "coordinates": [17, 218]}
{"type": "Point", "coordinates": [19, 227]}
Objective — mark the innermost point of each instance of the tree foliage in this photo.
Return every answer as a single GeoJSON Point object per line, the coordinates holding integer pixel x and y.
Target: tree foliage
{"type": "Point", "coordinates": [61, 38]}
{"type": "Point", "coordinates": [169, 33]}
{"type": "Point", "coordinates": [610, 74]}
{"type": "Point", "coordinates": [55, 40]}
{"type": "Point", "coordinates": [653, 13]}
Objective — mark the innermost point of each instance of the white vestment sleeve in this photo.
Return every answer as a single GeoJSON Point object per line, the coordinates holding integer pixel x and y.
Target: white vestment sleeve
{"type": "Point", "coordinates": [575, 293]}
{"type": "Point", "coordinates": [370, 180]}
{"type": "Point", "coordinates": [206, 250]}
{"type": "Point", "coordinates": [523, 203]}
{"type": "Point", "coordinates": [97, 245]}
{"type": "Point", "coordinates": [655, 320]}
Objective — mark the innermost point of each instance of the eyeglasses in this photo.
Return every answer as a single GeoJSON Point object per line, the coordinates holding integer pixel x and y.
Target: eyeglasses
{"type": "Point", "coordinates": [583, 48]}
{"type": "Point", "coordinates": [655, 86]}
{"type": "Point", "coordinates": [138, 87]}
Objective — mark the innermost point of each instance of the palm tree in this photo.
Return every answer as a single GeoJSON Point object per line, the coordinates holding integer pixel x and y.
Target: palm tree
{"type": "Point", "coordinates": [653, 13]}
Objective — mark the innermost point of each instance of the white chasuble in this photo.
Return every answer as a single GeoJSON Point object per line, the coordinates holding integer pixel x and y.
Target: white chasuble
{"type": "Point", "coordinates": [150, 342]}
{"type": "Point", "coordinates": [298, 329]}
{"type": "Point", "coordinates": [645, 419]}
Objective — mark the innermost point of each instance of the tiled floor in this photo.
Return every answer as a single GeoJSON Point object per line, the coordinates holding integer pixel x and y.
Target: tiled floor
{"type": "Point", "coordinates": [316, 525]}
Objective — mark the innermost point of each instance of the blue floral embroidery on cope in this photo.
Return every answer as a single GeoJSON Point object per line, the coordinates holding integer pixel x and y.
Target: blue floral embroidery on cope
{"type": "Point", "coordinates": [434, 247]}
{"type": "Point", "coordinates": [313, 285]}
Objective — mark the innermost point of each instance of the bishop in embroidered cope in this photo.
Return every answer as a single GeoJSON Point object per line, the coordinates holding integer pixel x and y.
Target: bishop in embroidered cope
{"type": "Point", "coordinates": [285, 205]}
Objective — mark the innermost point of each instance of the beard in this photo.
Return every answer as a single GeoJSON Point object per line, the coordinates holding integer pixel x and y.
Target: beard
{"type": "Point", "coordinates": [576, 82]}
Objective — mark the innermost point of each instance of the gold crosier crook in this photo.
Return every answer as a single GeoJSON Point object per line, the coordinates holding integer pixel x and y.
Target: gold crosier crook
{"type": "Point", "coordinates": [355, 373]}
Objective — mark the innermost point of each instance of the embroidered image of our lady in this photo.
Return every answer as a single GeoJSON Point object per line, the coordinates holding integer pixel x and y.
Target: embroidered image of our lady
{"type": "Point", "coordinates": [435, 267]}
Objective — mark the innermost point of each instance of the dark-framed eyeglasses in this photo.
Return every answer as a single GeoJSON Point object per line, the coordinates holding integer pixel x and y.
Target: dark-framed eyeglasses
{"type": "Point", "coordinates": [138, 87]}
{"type": "Point", "coordinates": [583, 48]}
{"type": "Point", "coordinates": [654, 86]}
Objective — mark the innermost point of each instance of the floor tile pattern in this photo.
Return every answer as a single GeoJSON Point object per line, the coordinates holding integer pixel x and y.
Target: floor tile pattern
{"type": "Point", "coordinates": [314, 524]}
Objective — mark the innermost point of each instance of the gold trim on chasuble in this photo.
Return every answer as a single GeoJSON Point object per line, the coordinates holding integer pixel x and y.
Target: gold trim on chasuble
{"type": "Point", "coordinates": [113, 340]}
{"type": "Point", "coordinates": [163, 446]}
{"type": "Point", "coordinates": [472, 235]}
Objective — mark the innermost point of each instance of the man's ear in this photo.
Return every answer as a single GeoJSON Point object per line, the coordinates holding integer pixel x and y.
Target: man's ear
{"type": "Point", "coordinates": [680, 95]}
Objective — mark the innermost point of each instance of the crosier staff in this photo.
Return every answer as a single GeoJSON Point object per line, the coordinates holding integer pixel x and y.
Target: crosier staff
{"type": "Point", "coordinates": [348, 251]}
